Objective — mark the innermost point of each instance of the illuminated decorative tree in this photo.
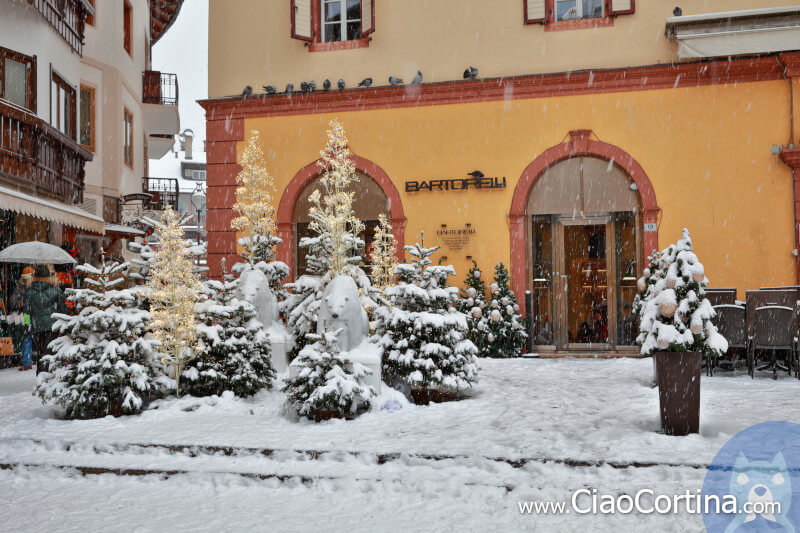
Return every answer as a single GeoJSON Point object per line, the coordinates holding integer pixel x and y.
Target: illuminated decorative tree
{"type": "Point", "coordinates": [383, 256]}
{"type": "Point", "coordinates": [174, 292]}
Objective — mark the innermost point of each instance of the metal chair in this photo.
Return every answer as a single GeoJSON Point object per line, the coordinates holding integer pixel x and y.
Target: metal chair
{"type": "Point", "coordinates": [775, 329]}
{"type": "Point", "coordinates": [767, 298]}
{"type": "Point", "coordinates": [731, 323]}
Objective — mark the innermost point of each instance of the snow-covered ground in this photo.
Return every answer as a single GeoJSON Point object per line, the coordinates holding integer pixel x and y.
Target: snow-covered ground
{"type": "Point", "coordinates": [531, 430]}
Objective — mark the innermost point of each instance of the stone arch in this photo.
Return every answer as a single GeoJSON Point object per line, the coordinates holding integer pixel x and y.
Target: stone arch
{"type": "Point", "coordinates": [579, 144]}
{"type": "Point", "coordinates": [306, 175]}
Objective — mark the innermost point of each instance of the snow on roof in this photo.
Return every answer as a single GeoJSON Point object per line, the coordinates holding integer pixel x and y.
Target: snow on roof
{"type": "Point", "coordinates": [169, 166]}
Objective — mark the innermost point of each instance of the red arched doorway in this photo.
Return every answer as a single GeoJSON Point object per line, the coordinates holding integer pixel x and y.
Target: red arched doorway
{"type": "Point", "coordinates": [291, 195]}
{"type": "Point", "coordinates": [559, 241]}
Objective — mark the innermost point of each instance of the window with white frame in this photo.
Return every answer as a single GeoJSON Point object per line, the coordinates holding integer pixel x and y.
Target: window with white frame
{"type": "Point", "coordinates": [341, 20]}
{"type": "Point", "coordinates": [579, 9]}
{"type": "Point", "coordinates": [199, 175]}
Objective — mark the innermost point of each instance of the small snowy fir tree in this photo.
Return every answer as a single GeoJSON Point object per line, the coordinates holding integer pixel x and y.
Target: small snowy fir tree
{"type": "Point", "coordinates": [384, 260]}
{"type": "Point", "coordinates": [174, 291]}
{"type": "Point", "coordinates": [255, 217]}
{"type": "Point", "coordinates": [678, 316]}
{"type": "Point", "coordinates": [473, 304]}
{"type": "Point", "coordinates": [234, 349]}
{"type": "Point", "coordinates": [103, 363]}
{"type": "Point", "coordinates": [327, 383]}
{"type": "Point", "coordinates": [335, 247]}
{"type": "Point", "coordinates": [423, 335]}
{"type": "Point", "coordinates": [505, 335]}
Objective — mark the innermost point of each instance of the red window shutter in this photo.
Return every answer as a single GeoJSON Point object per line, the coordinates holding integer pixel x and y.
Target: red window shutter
{"type": "Point", "coordinates": [620, 7]}
{"type": "Point", "coordinates": [302, 22]}
{"type": "Point", "coordinates": [367, 17]}
{"type": "Point", "coordinates": [535, 11]}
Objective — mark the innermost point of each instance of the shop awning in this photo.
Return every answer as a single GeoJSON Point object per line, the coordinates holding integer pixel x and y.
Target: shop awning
{"type": "Point", "coordinates": [731, 33]}
{"type": "Point", "coordinates": [121, 229]}
{"type": "Point", "coordinates": [26, 204]}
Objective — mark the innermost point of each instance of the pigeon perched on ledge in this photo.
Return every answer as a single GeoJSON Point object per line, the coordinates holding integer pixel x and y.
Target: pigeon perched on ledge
{"type": "Point", "coordinates": [289, 88]}
{"type": "Point", "coordinates": [326, 85]}
{"type": "Point", "coordinates": [417, 79]}
{"type": "Point", "coordinates": [395, 81]}
{"type": "Point", "coordinates": [471, 73]}
{"type": "Point", "coordinates": [366, 82]}
{"type": "Point", "coordinates": [247, 91]}
{"type": "Point", "coordinates": [340, 85]}
{"type": "Point", "coordinates": [271, 89]}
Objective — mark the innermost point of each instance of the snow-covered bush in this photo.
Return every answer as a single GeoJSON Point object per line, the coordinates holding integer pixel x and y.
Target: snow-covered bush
{"type": "Point", "coordinates": [422, 334]}
{"type": "Point", "coordinates": [505, 334]}
{"type": "Point", "coordinates": [473, 304]}
{"type": "Point", "coordinates": [103, 363]}
{"type": "Point", "coordinates": [677, 317]}
{"type": "Point", "coordinates": [327, 382]}
{"type": "Point", "coordinates": [234, 350]}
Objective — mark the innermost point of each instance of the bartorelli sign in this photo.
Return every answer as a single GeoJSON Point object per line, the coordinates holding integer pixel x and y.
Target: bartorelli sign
{"type": "Point", "coordinates": [457, 184]}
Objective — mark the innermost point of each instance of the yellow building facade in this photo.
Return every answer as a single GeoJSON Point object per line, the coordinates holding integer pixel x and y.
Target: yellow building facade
{"type": "Point", "coordinates": [594, 132]}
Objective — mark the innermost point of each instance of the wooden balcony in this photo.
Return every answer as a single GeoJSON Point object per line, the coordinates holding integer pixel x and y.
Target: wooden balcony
{"type": "Point", "coordinates": [67, 17]}
{"type": "Point", "coordinates": [32, 152]}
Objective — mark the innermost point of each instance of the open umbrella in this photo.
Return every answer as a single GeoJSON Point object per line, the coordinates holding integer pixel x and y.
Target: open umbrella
{"type": "Point", "coordinates": [36, 253]}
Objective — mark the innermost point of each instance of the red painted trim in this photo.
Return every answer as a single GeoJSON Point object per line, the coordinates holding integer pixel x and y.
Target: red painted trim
{"type": "Point", "coordinates": [791, 63]}
{"type": "Point", "coordinates": [610, 10]}
{"type": "Point", "coordinates": [294, 28]}
{"type": "Point", "coordinates": [580, 24]}
{"type": "Point", "coordinates": [495, 89]}
{"type": "Point", "coordinates": [372, 28]}
{"type": "Point", "coordinates": [534, 21]}
{"type": "Point", "coordinates": [307, 174]}
{"type": "Point", "coordinates": [579, 145]}
{"type": "Point", "coordinates": [339, 45]}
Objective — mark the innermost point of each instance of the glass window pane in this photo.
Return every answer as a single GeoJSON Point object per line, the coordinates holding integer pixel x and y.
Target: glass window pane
{"type": "Point", "coordinates": [627, 270]}
{"type": "Point", "coordinates": [333, 11]}
{"type": "Point", "coordinates": [566, 9]}
{"type": "Point", "coordinates": [353, 9]}
{"type": "Point", "coordinates": [542, 287]}
{"type": "Point", "coordinates": [54, 104]}
{"type": "Point", "coordinates": [333, 32]}
{"type": "Point", "coordinates": [86, 118]}
{"type": "Point", "coordinates": [16, 86]}
{"type": "Point", "coordinates": [353, 30]}
{"type": "Point", "coordinates": [62, 106]}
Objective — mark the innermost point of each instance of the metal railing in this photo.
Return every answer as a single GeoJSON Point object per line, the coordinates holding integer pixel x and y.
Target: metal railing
{"type": "Point", "coordinates": [163, 193]}
{"type": "Point", "coordinates": [67, 17]}
{"type": "Point", "coordinates": [34, 152]}
{"type": "Point", "coordinates": [159, 88]}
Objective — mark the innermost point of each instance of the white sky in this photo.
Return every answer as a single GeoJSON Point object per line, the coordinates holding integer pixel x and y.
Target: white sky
{"type": "Point", "coordinates": [183, 50]}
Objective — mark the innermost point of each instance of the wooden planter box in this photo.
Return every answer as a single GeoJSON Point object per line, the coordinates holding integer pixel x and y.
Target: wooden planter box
{"type": "Point", "coordinates": [678, 375]}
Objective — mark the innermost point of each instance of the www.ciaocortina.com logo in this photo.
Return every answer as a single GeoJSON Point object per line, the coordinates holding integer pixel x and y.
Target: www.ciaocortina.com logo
{"type": "Point", "coordinates": [755, 477]}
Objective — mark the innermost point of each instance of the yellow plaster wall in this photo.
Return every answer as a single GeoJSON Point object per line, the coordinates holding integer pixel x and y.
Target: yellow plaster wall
{"type": "Point", "coordinates": [706, 150]}
{"type": "Point", "coordinates": [250, 42]}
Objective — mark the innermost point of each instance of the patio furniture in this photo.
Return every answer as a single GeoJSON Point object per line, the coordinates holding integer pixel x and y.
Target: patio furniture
{"type": "Point", "coordinates": [771, 319]}
{"type": "Point", "coordinates": [731, 323]}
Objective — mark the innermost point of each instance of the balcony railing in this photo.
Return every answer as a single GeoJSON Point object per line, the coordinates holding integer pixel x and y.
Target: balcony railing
{"type": "Point", "coordinates": [159, 88]}
{"type": "Point", "coordinates": [33, 152]}
{"type": "Point", "coordinates": [163, 193]}
{"type": "Point", "coordinates": [68, 17]}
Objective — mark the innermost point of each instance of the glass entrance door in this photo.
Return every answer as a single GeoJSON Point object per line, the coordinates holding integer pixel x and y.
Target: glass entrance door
{"type": "Point", "coordinates": [585, 284]}
{"type": "Point", "coordinates": [583, 280]}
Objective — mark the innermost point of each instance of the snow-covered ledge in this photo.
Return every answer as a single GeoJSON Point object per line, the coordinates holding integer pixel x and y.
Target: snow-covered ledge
{"type": "Point", "coordinates": [731, 33]}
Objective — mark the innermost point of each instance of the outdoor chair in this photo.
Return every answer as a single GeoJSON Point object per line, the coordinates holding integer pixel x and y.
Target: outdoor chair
{"type": "Point", "coordinates": [731, 323]}
{"type": "Point", "coordinates": [771, 325]}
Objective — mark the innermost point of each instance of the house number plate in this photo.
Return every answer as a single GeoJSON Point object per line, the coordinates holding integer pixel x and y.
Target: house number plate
{"type": "Point", "coordinates": [651, 226]}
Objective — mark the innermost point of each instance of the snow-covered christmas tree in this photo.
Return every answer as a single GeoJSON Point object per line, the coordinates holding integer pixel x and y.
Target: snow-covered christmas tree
{"type": "Point", "coordinates": [473, 304]}
{"type": "Point", "coordinates": [174, 291]}
{"type": "Point", "coordinates": [327, 385]}
{"type": "Point", "coordinates": [234, 348]}
{"type": "Point", "coordinates": [103, 364]}
{"type": "Point", "coordinates": [505, 335]}
{"type": "Point", "coordinates": [423, 335]}
{"type": "Point", "coordinates": [678, 316]}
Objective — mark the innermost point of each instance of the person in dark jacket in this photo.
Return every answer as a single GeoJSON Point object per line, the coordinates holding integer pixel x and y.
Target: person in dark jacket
{"type": "Point", "coordinates": [22, 287]}
{"type": "Point", "coordinates": [41, 301]}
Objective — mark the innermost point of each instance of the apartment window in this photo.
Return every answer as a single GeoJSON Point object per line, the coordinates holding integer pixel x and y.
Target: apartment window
{"type": "Point", "coordinates": [552, 13]}
{"type": "Point", "coordinates": [127, 137]}
{"type": "Point", "coordinates": [62, 105]}
{"type": "Point", "coordinates": [579, 9]}
{"type": "Point", "coordinates": [90, 18]}
{"type": "Point", "coordinates": [126, 27]}
{"type": "Point", "coordinates": [333, 21]}
{"type": "Point", "coordinates": [199, 175]}
{"type": "Point", "coordinates": [18, 78]}
{"type": "Point", "coordinates": [87, 119]}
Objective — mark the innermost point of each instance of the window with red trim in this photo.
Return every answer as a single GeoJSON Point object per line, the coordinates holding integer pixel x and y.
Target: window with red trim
{"type": "Point", "coordinates": [332, 24]}
{"type": "Point", "coordinates": [127, 16]}
{"type": "Point", "coordinates": [63, 105]}
{"type": "Point", "coordinates": [127, 137]}
{"type": "Point", "coordinates": [557, 11]}
{"type": "Point", "coordinates": [90, 18]}
{"type": "Point", "coordinates": [18, 78]}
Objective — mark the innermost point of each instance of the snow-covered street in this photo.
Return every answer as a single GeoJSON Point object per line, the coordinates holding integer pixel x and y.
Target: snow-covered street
{"type": "Point", "coordinates": [531, 430]}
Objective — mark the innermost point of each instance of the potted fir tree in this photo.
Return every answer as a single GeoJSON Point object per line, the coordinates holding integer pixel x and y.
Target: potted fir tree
{"type": "Point", "coordinates": [675, 327]}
